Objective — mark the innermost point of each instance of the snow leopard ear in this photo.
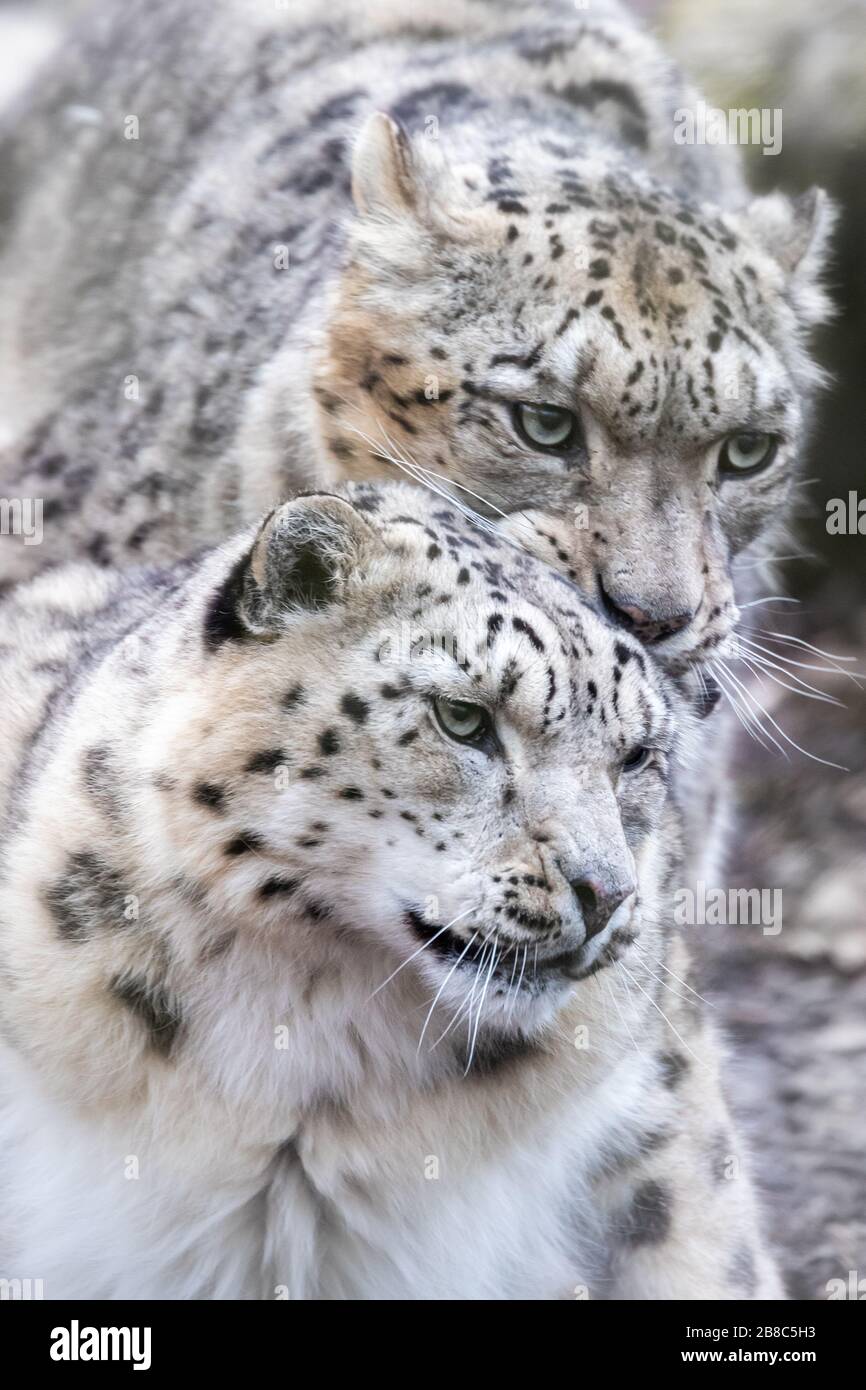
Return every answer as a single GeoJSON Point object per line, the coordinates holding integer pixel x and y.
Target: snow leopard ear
{"type": "Point", "coordinates": [384, 177]}
{"type": "Point", "coordinates": [796, 233]}
{"type": "Point", "coordinates": [301, 561]}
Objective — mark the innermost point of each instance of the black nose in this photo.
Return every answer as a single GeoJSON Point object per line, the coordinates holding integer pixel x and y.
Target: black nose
{"type": "Point", "coordinates": [597, 903]}
{"type": "Point", "coordinates": [649, 627]}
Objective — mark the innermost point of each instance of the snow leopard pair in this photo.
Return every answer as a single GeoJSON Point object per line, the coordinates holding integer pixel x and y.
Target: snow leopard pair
{"type": "Point", "coordinates": [470, 249]}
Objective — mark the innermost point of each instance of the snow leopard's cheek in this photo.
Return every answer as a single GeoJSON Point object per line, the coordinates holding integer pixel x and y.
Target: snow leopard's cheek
{"type": "Point", "coordinates": [747, 507]}
{"type": "Point", "coordinates": [383, 383]}
{"type": "Point", "coordinates": [641, 800]}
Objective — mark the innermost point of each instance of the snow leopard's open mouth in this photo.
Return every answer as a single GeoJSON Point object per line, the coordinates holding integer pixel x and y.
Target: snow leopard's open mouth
{"type": "Point", "coordinates": [518, 965]}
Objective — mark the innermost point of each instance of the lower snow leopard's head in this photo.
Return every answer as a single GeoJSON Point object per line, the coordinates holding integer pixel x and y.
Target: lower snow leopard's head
{"type": "Point", "coordinates": [410, 738]}
{"type": "Point", "coordinates": [618, 368]}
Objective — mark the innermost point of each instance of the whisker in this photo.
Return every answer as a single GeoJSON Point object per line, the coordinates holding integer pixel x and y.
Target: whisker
{"type": "Point", "coordinates": [422, 947]}
{"type": "Point", "coordinates": [403, 458]}
{"type": "Point", "coordinates": [430, 1012]}
{"type": "Point", "coordinates": [460, 1011]}
{"type": "Point", "coordinates": [684, 983]}
{"type": "Point", "coordinates": [774, 598]}
{"type": "Point", "coordinates": [745, 706]}
{"type": "Point", "coordinates": [801, 665]}
{"type": "Point", "coordinates": [607, 983]}
{"type": "Point", "coordinates": [507, 516]}
{"type": "Point", "coordinates": [523, 967]}
{"type": "Point", "coordinates": [411, 470]}
{"type": "Point", "coordinates": [787, 639]}
{"type": "Point", "coordinates": [490, 971]}
{"type": "Point", "coordinates": [745, 716]}
{"type": "Point", "coordinates": [663, 983]}
{"type": "Point", "coordinates": [761, 666]}
{"type": "Point", "coordinates": [677, 1035]}
{"type": "Point", "coordinates": [452, 482]}
{"type": "Point", "coordinates": [800, 642]}
{"type": "Point", "coordinates": [423, 475]}
{"type": "Point", "coordinates": [774, 560]}
{"type": "Point", "coordinates": [512, 996]}
{"type": "Point", "coordinates": [465, 1008]}
{"type": "Point", "coordinates": [729, 696]}
{"type": "Point", "coordinates": [754, 700]}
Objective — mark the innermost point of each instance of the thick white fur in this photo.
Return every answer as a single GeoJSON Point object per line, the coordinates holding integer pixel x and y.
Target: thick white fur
{"type": "Point", "coordinates": [298, 1141]}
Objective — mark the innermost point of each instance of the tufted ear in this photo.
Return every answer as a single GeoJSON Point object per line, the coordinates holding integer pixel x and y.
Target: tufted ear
{"type": "Point", "coordinates": [301, 560]}
{"type": "Point", "coordinates": [384, 175]}
{"type": "Point", "coordinates": [796, 233]}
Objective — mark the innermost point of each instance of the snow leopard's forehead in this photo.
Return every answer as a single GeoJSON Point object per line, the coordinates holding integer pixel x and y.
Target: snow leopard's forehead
{"type": "Point", "coordinates": [518, 631]}
{"type": "Point", "coordinates": [593, 287]}
{"type": "Point", "coordinates": [447, 553]}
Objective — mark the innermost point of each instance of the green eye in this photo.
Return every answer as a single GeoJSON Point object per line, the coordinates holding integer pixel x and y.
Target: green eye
{"type": "Point", "coordinates": [461, 721]}
{"type": "Point", "coordinates": [747, 452]}
{"type": "Point", "coordinates": [547, 426]}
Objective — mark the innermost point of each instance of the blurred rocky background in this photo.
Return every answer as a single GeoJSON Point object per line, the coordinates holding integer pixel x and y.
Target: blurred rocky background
{"type": "Point", "coordinates": [794, 1003]}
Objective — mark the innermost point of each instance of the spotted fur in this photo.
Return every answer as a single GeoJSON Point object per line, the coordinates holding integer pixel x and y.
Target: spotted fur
{"type": "Point", "coordinates": [240, 932]}
{"type": "Point", "coordinates": [520, 225]}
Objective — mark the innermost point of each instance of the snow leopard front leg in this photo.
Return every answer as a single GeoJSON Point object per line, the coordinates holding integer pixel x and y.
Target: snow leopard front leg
{"type": "Point", "coordinates": [679, 1204]}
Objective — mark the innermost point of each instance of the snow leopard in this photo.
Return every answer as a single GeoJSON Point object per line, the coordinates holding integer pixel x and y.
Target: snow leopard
{"type": "Point", "coordinates": [251, 248]}
{"type": "Point", "coordinates": [335, 955]}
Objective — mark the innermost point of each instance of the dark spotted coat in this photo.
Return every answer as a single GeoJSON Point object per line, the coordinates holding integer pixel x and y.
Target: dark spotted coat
{"type": "Point", "coordinates": [222, 323]}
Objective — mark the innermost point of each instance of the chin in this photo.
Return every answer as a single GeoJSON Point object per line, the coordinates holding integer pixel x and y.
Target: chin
{"type": "Point", "coordinates": [727, 647]}
{"type": "Point", "coordinates": [692, 651]}
{"type": "Point", "coordinates": [513, 988]}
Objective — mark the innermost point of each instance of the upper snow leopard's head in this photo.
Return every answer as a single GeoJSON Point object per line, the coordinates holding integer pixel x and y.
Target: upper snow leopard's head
{"type": "Point", "coordinates": [576, 343]}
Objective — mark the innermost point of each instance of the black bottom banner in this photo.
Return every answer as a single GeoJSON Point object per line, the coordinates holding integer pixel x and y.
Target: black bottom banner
{"type": "Point", "coordinates": [158, 1338]}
